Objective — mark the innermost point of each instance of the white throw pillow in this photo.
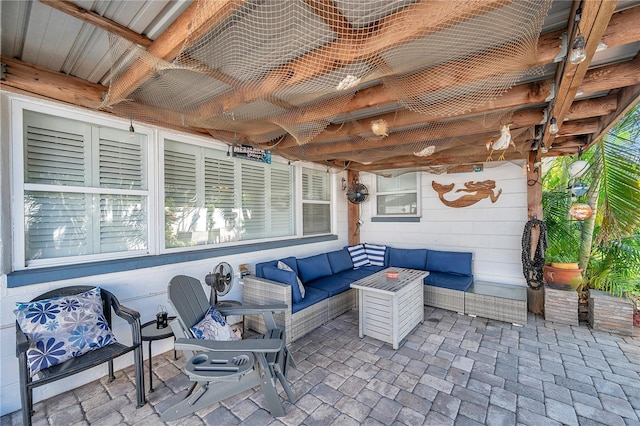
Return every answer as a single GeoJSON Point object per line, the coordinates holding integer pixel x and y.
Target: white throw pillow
{"type": "Point", "coordinates": [285, 267]}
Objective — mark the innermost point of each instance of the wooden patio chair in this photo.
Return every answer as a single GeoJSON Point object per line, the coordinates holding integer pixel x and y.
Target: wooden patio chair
{"type": "Point", "coordinates": [221, 369]}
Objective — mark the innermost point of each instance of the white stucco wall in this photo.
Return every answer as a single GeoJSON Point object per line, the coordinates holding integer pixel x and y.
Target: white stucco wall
{"type": "Point", "coordinates": [491, 232]}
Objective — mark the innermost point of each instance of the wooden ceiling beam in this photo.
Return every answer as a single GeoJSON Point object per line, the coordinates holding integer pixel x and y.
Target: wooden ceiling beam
{"type": "Point", "coordinates": [98, 21]}
{"type": "Point", "coordinates": [461, 128]}
{"type": "Point", "coordinates": [622, 29]}
{"type": "Point", "coordinates": [193, 23]}
{"type": "Point", "coordinates": [39, 81]}
{"type": "Point", "coordinates": [358, 45]}
{"type": "Point", "coordinates": [594, 19]}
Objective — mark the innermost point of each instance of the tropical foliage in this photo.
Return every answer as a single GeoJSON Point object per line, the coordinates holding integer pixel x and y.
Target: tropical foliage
{"type": "Point", "coordinates": [607, 244]}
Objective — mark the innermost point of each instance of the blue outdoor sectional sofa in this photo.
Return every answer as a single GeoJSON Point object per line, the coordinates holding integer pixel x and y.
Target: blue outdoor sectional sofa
{"type": "Point", "coordinates": [325, 280]}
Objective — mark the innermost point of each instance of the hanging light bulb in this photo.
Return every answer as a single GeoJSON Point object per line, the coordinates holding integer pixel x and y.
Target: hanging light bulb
{"type": "Point", "coordinates": [578, 54]}
{"type": "Point", "coordinates": [553, 126]}
{"type": "Point", "coordinates": [132, 131]}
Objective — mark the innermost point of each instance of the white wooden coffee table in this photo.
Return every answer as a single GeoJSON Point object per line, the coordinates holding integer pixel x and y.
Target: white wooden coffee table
{"type": "Point", "coordinates": [389, 308]}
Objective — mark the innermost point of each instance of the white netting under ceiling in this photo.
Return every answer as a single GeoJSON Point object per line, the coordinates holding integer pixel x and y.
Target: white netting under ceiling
{"type": "Point", "coordinates": [271, 71]}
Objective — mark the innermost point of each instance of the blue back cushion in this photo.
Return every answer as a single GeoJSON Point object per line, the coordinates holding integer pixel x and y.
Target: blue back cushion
{"type": "Point", "coordinates": [340, 260]}
{"type": "Point", "coordinates": [450, 262]}
{"type": "Point", "coordinates": [408, 258]}
{"type": "Point", "coordinates": [260, 267]}
{"type": "Point", "coordinates": [314, 267]}
{"type": "Point", "coordinates": [285, 277]}
{"type": "Point", "coordinates": [291, 262]}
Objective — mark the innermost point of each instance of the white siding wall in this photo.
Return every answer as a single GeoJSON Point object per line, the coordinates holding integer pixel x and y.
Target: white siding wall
{"type": "Point", "coordinates": [492, 232]}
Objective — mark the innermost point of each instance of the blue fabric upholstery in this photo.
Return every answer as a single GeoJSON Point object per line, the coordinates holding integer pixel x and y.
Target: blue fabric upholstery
{"type": "Point", "coordinates": [285, 277]}
{"type": "Point", "coordinates": [331, 284]}
{"type": "Point", "coordinates": [292, 263]}
{"type": "Point", "coordinates": [260, 267]}
{"type": "Point", "coordinates": [314, 267]}
{"type": "Point", "coordinates": [356, 274]}
{"type": "Point", "coordinates": [444, 280]}
{"type": "Point", "coordinates": [340, 260]}
{"type": "Point", "coordinates": [457, 263]}
{"type": "Point", "coordinates": [313, 296]}
{"type": "Point", "coordinates": [408, 258]}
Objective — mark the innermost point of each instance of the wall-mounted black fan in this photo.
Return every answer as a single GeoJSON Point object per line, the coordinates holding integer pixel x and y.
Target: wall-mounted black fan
{"type": "Point", "coordinates": [357, 193]}
{"type": "Point", "coordinates": [220, 280]}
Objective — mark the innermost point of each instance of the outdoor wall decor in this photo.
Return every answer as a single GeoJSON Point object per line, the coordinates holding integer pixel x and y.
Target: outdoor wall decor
{"type": "Point", "coordinates": [476, 191]}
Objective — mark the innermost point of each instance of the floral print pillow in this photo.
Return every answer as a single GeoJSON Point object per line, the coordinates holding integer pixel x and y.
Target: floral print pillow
{"type": "Point", "coordinates": [213, 327]}
{"type": "Point", "coordinates": [63, 328]}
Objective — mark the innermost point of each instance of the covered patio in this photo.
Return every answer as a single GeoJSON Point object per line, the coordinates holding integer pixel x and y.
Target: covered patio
{"type": "Point", "coordinates": [452, 369]}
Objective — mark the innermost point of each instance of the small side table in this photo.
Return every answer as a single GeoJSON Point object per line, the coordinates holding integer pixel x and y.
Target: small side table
{"type": "Point", "coordinates": [149, 333]}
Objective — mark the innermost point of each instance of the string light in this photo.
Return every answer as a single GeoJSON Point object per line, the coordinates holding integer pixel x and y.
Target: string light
{"type": "Point", "coordinates": [578, 53]}
{"type": "Point", "coordinates": [553, 126]}
{"type": "Point", "coordinates": [132, 131]}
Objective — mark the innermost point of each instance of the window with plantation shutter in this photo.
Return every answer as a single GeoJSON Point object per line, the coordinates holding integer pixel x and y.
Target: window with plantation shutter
{"type": "Point", "coordinates": [212, 198]}
{"type": "Point", "coordinates": [316, 202]}
{"type": "Point", "coordinates": [85, 191]}
{"type": "Point", "coordinates": [254, 206]}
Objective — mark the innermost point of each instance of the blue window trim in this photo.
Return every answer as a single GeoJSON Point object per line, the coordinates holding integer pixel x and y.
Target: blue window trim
{"type": "Point", "coordinates": [67, 272]}
{"type": "Point", "coordinates": [395, 219]}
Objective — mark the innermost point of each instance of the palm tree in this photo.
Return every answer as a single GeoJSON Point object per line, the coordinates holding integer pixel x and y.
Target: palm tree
{"type": "Point", "coordinates": [609, 245]}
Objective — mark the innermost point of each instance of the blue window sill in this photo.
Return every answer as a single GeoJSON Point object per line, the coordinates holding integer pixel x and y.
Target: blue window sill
{"type": "Point", "coordinates": [395, 219]}
{"type": "Point", "coordinates": [67, 272]}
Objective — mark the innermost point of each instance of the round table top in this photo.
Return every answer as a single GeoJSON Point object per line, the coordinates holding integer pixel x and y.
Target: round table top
{"type": "Point", "coordinates": [149, 331]}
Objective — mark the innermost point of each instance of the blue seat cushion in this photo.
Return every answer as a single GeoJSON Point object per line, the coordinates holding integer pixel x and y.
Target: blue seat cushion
{"type": "Point", "coordinates": [314, 267]}
{"type": "Point", "coordinates": [452, 282]}
{"type": "Point", "coordinates": [340, 260]}
{"type": "Point", "coordinates": [332, 285]}
{"type": "Point", "coordinates": [450, 262]}
{"type": "Point", "coordinates": [312, 296]}
{"type": "Point", "coordinates": [285, 277]}
{"type": "Point", "coordinates": [356, 274]}
{"type": "Point", "coordinates": [408, 258]}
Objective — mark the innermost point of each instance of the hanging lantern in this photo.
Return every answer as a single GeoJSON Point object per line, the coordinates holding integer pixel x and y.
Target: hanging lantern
{"type": "Point", "coordinates": [578, 189]}
{"type": "Point", "coordinates": [580, 211]}
{"type": "Point", "coordinates": [578, 168]}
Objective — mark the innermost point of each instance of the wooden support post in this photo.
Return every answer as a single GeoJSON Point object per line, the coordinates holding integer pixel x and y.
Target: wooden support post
{"type": "Point", "coordinates": [353, 211]}
{"type": "Point", "coordinates": [535, 298]}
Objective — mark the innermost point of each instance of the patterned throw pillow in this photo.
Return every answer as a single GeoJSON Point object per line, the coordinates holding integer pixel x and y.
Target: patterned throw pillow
{"type": "Point", "coordinates": [358, 256]}
{"type": "Point", "coordinates": [375, 253]}
{"type": "Point", "coordinates": [213, 327]}
{"type": "Point", "coordinates": [285, 267]}
{"type": "Point", "coordinates": [63, 328]}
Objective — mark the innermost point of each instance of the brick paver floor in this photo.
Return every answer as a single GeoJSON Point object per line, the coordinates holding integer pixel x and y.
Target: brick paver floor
{"type": "Point", "coordinates": [452, 369]}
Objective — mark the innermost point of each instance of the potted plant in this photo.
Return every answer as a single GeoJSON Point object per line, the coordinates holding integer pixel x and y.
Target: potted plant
{"type": "Point", "coordinates": [561, 271]}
